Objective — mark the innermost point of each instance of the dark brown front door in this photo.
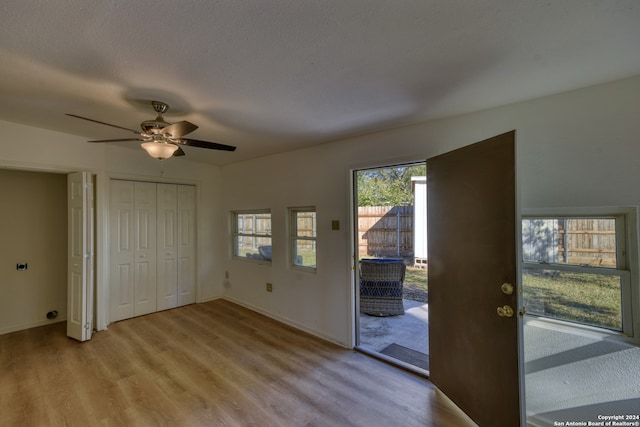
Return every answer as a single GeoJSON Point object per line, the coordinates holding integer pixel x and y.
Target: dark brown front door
{"type": "Point", "coordinates": [472, 240]}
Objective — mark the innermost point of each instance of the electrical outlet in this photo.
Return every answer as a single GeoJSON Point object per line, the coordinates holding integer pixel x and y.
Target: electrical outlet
{"type": "Point", "coordinates": [269, 287]}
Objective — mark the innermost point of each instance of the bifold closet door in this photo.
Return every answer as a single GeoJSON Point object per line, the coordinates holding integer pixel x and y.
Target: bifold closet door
{"type": "Point", "coordinates": [167, 246]}
{"type": "Point", "coordinates": [132, 235]}
{"type": "Point", "coordinates": [186, 244]}
{"type": "Point", "coordinates": [176, 245]}
{"type": "Point", "coordinates": [144, 294]}
{"type": "Point", "coordinates": [121, 252]}
{"type": "Point", "coordinates": [80, 205]}
{"type": "Point", "coordinates": [153, 247]}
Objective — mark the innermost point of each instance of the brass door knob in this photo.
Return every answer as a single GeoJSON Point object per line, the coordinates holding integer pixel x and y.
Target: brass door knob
{"type": "Point", "coordinates": [505, 311]}
{"type": "Point", "coordinates": [507, 288]}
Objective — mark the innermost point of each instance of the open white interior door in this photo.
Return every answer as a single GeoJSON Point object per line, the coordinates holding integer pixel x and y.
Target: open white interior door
{"type": "Point", "coordinates": [80, 256]}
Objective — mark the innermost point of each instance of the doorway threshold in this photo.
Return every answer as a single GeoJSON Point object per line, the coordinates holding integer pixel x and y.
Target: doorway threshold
{"type": "Point", "coordinates": [394, 362]}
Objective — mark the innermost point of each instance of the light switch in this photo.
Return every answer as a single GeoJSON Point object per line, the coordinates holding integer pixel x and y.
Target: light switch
{"type": "Point", "coordinates": [335, 224]}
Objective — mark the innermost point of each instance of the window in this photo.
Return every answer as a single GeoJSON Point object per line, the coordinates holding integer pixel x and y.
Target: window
{"type": "Point", "coordinates": [576, 268]}
{"type": "Point", "coordinates": [252, 235]}
{"type": "Point", "coordinates": [303, 237]}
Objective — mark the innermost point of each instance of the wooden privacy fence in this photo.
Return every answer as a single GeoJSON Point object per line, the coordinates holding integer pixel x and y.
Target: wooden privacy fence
{"type": "Point", "coordinates": [385, 231]}
{"type": "Point", "coordinates": [587, 241]}
{"type": "Point", "coordinates": [388, 231]}
{"type": "Point", "coordinates": [257, 224]}
{"type": "Point", "coordinates": [260, 224]}
{"type": "Point", "coordinates": [306, 227]}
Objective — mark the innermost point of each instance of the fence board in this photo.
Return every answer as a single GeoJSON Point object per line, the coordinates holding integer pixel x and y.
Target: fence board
{"type": "Point", "coordinates": [385, 231]}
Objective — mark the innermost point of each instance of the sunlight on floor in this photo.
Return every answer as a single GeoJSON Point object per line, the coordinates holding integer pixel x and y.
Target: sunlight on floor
{"type": "Point", "coordinates": [577, 375]}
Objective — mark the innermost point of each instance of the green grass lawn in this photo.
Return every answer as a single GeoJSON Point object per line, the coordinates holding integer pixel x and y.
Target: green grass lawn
{"type": "Point", "coordinates": [592, 299]}
{"type": "Point", "coordinates": [415, 284]}
{"type": "Point", "coordinates": [417, 277]}
{"type": "Point", "coordinates": [308, 258]}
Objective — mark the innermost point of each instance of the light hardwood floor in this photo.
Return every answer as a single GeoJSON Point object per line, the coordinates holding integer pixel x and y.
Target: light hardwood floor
{"type": "Point", "coordinates": [211, 364]}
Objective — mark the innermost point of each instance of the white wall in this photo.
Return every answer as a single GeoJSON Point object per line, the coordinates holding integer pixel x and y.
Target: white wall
{"type": "Point", "coordinates": [28, 148]}
{"type": "Point", "coordinates": [574, 149]}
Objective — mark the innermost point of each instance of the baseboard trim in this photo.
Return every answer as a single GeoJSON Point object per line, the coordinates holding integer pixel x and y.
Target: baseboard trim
{"type": "Point", "coordinates": [210, 299]}
{"type": "Point", "coordinates": [286, 321]}
{"type": "Point", "coordinates": [17, 328]}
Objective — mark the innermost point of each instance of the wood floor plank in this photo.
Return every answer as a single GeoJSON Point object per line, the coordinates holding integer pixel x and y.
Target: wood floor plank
{"type": "Point", "coordinates": [211, 364]}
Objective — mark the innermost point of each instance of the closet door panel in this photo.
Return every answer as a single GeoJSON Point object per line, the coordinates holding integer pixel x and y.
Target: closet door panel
{"type": "Point", "coordinates": [167, 246]}
{"type": "Point", "coordinates": [145, 248]}
{"type": "Point", "coordinates": [121, 236]}
{"type": "Point", "coordinates": [152, 247]}
{"type": "Point", "coordinates": [186, 244]}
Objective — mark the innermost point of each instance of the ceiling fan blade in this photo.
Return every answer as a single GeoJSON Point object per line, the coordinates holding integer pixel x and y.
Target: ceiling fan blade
{"type": "Point", "coordinates": [178, 129]}
{"type": "Point", "coordinates": [178, 152]}
{"type": "Point", "coordinates": [103, 123]}
{"type": "Point", "coordinates": [207, 144]}
{"type": "Point", "coordinates": [117, 140]}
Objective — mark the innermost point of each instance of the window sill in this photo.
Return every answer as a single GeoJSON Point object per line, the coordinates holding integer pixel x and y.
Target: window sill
{"type": "Point", "coordinates": [252, 260]}
{"type": "Point", "coordinates": [312, 270]}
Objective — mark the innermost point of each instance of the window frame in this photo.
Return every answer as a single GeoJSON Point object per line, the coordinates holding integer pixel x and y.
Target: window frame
{"type": "Point", "coordinates": [236, 234]}
{"type": "Point", "coordinates": [294, 237]}
{"type": "Point", "coordinates": [626, 260]}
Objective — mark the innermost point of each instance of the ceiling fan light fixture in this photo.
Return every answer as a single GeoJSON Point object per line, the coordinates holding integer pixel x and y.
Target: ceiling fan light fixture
{"type": "Point", "coordinates": [159, 150]}
{"type": "Point", "coordinates": [161, 139]}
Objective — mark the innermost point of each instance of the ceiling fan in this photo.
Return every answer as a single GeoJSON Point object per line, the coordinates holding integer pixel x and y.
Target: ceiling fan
{"type": "Point", "coordinates": [161, 139]}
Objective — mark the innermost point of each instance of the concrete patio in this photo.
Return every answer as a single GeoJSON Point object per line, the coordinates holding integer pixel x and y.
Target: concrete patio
{"type": "Point", "coordinates": [409, 330]}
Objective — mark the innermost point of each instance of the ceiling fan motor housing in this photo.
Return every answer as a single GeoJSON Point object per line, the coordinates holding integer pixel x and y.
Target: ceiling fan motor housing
{"type": "Point", "coordinates": [155, 126]}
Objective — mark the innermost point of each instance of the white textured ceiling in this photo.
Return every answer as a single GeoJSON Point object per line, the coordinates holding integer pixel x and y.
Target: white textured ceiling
{"type": "Point", "coordinates": [273, 75]}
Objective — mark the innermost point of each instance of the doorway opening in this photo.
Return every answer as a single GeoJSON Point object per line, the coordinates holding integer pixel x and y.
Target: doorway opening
{"type": "Point", "coordinates": [391, 264]}
{"type": "Point", "coordinates": [34, 230]}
